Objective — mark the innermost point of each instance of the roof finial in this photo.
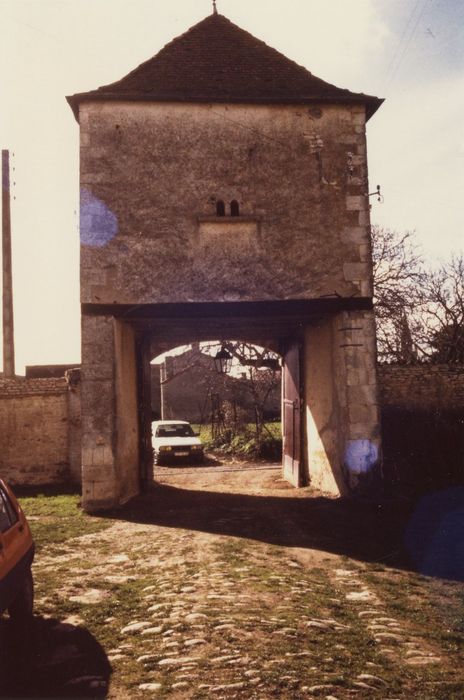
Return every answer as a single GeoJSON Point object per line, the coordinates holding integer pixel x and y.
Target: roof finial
{"type": "Point", "coordinates": [214, 8]}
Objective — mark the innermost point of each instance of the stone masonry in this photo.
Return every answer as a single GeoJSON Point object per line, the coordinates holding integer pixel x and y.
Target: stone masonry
{"type": "Point", "coordinates": [427, 387]}
{"type": "Point", "coordinates": [227, 191]}
{"type": "Point", "coordinates": [40, 431]}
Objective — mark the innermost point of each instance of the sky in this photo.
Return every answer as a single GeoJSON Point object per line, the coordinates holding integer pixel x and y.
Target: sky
{"type": "Point", "coordinates": [411, 52]}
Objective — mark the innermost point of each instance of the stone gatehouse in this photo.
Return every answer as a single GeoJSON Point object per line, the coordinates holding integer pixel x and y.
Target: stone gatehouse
{"type": "Point", "coordinates": [224, 195]}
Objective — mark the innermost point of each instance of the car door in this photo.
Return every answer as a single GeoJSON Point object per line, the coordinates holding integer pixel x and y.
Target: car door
{"type": "Point", "coordinates": [12, 533]}
{"type": "Point", "coordinates": [2, 557]}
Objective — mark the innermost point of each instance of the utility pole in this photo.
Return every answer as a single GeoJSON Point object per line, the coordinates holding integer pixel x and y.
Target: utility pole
{"type": "Point", "coordinates": [8, 324]}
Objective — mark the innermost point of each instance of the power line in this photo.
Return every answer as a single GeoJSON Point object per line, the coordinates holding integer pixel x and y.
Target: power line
{"type": "Point", "coordinates": [400, 43]}
{"type": "Point", "coordinates": [402, 48]}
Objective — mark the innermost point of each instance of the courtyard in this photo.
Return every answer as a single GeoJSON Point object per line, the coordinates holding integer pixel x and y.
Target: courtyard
{"type": "Point", "coordinates": [225, 582]}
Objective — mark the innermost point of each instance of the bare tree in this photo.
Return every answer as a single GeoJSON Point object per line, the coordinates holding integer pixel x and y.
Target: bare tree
{"type": "Point", "coordinates": [419, 310]}
{"type": "Point", "coordinates": [398, 281]}
{"type": "Point", "coordinates": [443, 318]}
{"type": "Point", "coordinates": [260, 376]}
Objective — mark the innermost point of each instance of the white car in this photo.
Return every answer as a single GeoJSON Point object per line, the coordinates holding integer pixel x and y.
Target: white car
{"type": "Point", "coordinates": [174, 440]}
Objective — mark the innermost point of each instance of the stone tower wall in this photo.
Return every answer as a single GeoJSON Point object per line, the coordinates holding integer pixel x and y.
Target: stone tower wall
{"type": "Point", "coordinates": [151, 175]}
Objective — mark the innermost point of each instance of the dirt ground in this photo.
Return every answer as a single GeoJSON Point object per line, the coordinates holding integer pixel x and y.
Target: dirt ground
{"type": "Point", "coordinates": [225, 582]}
{"type": "Point", "coordinates": [231, 476]}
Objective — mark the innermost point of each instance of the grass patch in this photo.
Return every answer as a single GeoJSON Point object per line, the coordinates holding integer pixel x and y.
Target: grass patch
{"type": "Point", "coordinates": [266, 591]}
{"type": "Point", "coordinates": [245, 443]}
{"type": "Point", "coordinates": [433, 604]}
{"type": "Point", "coordinates": [54, 519]}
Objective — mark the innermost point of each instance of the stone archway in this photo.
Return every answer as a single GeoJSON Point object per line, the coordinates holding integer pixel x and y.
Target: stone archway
{"type": "Point", "coordinates": [334, 443]}
{"type": "Point", "coordinates": [268, 330]}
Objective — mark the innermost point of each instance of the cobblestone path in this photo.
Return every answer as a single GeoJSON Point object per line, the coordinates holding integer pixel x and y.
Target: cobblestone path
{"type": "Point", "coordinates": [202, 613]}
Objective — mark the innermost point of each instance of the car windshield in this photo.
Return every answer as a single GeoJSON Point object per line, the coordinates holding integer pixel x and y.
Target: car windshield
{"type": "Point", "coordinates": [174, 430]}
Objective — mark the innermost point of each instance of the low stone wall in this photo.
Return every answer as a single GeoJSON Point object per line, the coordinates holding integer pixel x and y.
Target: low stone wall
{"type": "Point", "coordinates": [39, 427]}
{"type": "Point", "coordinates": [422, 426]}
{"type": "Point", "coordinates": [422, 386]}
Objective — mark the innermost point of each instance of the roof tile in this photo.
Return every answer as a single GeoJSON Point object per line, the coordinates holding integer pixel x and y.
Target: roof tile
{"type": "Point", "coordinates": [217, 61]}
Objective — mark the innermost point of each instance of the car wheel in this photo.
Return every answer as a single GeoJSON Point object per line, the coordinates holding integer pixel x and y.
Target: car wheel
{"type": "Point", "coordinates": [21, 609]}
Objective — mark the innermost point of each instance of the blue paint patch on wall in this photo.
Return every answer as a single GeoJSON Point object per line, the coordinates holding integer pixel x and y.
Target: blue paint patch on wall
{"type": "Point", "coordinates": [361, 456]}
{"type": "Point", "coordinates": [434, 537]}
{"type": "Point", "coordinates": [98, 224]}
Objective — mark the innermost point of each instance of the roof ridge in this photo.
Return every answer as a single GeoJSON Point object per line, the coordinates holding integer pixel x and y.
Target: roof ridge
{"type": "Point", "coordinates": [209, 18]}
{"type": "Point", "coordinates": [215, 60]}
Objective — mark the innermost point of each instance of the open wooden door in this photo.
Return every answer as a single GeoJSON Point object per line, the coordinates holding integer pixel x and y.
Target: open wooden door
{"type": "Point", "coordinates": [291, 414]}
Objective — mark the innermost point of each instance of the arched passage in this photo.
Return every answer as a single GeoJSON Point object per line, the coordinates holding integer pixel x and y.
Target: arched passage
{"type": "Point", "coordinates": [321, 346]}
{"type": "Point", "coordinates": [283, 336]}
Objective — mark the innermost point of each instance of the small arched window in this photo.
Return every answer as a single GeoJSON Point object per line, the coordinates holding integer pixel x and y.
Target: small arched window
{"type": "Point", "coordinates": [220, 208]}
{"type": "Point", "coordinates": [234, 208]}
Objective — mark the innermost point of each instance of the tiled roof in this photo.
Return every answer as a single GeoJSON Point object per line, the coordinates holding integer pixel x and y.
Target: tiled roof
{"type": "Point", "coordinates": [216, 61]}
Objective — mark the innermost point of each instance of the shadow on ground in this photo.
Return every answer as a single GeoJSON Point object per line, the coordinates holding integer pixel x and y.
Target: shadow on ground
{"type": "Point", "coordinates": [209, 460]}
{"type": "Point", "coordinates": [51, 659]}
{"type": "Point", "coordinates": [425, 536]}
{"type": "Point", "coordinates": [216, 459]}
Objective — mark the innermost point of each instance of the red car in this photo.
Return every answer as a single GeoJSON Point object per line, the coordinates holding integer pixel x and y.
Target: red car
{"type": "Point", "coordinates": [16, 556]}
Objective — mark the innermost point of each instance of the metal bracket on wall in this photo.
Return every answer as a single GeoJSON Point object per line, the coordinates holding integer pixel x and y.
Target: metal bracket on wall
{"type": "Point", "coordinates": [378, 194]}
